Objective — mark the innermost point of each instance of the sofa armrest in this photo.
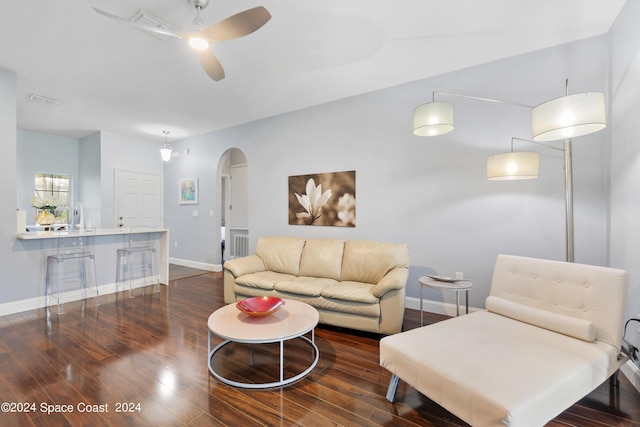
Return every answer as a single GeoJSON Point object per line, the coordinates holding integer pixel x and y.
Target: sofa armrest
{"type": "Point", "coordinates": [244, 265]}
{"type": "Point", "coordinates": [394, 280]}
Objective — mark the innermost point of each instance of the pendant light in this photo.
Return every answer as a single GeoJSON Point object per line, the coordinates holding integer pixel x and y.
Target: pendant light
{"type": "Point", "coordinates": [569, 116]}
{"type": "Point", "coordinates": [515, 165]}
{"type": "Point", "coordinates": [166, 149]}
{"type": "Point", "coordinates": [433, 118]}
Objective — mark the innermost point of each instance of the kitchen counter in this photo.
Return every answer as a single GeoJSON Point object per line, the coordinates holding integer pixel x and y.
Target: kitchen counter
{"type": "Point", "coordinates": [107, 242]}
{"type": "Point", "coordinates": [31, 235]}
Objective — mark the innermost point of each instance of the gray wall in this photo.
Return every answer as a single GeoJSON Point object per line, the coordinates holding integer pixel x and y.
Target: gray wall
{"type": "Point", "coordinates": [39, 152]}
{"type": "Point", "coordinates": [428, 192]}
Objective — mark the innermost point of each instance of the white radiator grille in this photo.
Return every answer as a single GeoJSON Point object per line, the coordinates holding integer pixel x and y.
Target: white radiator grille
{"type": "Point", "coordinates": [240, 246]}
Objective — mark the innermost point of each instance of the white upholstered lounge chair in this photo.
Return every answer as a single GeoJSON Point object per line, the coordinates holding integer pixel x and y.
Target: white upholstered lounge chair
{"type": "Point", "coordinates": [551, 334]}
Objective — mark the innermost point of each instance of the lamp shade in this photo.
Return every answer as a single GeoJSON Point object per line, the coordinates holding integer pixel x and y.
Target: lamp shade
{"type": "Point", "coordinates": [433, 118]}
{"type": "Point", "coordinates": [513, 166]}
{"type": "Point", "coordinates": [165, 152]}
{"type": "Point", "coordinates": [569, 116]}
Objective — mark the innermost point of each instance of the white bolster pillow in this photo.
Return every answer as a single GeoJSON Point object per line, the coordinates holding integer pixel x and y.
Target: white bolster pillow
{"type": "Point", "coordinates": [567, 325]}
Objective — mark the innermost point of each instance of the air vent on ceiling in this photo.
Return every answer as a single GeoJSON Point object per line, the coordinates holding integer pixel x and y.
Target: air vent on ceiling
{"type": "Point", "coordinates": [44, 100]}
{"type": "Point", "coordinates": [143, 17]}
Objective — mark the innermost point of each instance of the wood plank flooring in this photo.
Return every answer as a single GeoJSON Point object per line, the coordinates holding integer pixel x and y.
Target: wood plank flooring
{"type": "Point", "coordinates": [142, 362]}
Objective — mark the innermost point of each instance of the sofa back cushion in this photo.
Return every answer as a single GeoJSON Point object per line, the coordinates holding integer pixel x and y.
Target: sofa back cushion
{"type": "Point", "coordinates": [281, 254]}
{"type": "Point", "coordinates": [322, 258]}
{"type": "Point", "coordinates": [592, 293]}
{"type": "Point", "coordinates": [368, 261]}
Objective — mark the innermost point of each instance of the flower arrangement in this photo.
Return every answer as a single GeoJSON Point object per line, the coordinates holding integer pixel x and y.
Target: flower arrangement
{"type": "Point", "coordinates": [44, 203]}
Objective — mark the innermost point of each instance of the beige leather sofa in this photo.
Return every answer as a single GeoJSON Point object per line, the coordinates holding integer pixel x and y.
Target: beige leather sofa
{"type": "Point", "coordinates": [355, 284]}
{"type": "Point", "coordinates": [551, 334]}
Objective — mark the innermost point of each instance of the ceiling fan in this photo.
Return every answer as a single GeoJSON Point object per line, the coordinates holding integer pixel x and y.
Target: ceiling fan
{"type": "Point", "coordinates": [233, 27]}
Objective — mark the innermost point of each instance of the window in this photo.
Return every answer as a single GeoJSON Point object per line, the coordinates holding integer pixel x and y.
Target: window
{"type": "Point", "coordinates": [57, 186]}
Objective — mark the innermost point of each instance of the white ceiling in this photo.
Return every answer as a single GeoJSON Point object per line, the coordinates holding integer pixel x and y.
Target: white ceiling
{"type": "Point", "coordinates": [111, 76]}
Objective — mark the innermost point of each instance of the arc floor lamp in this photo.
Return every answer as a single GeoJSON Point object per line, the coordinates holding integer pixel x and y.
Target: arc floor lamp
{"type": "Point", "coordinates": [562, 118]}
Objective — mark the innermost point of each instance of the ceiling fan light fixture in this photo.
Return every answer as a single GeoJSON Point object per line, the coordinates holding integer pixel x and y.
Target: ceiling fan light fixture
{"type": "Point", "coordinates": [198, 43]}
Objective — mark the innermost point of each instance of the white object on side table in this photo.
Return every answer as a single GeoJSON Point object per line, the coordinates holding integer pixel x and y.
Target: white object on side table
{"type": "Point", "coordinates": [448, 284]}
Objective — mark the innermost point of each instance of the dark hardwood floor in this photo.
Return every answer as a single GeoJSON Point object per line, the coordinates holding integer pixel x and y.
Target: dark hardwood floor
{"type": "Point", "coordinates": [142, 362]}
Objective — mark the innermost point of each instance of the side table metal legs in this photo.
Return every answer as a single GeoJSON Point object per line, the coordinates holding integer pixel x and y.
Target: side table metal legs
{"type": "Point", "coordinates": [456, 286]}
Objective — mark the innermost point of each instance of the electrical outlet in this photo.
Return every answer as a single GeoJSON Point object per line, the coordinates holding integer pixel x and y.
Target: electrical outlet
{"type": "Point", "coordinates": [459, 275]}
{"type": "Point", "coordinates": [195, 213]}
{"type": "Point", "coordinates": [175, 244]}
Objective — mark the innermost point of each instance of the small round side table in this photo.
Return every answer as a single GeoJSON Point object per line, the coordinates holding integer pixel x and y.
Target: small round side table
{"type": "Point", "coordinates": [448, 285]}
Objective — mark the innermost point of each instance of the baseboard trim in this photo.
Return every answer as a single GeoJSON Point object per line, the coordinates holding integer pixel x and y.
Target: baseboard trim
{"type": "Point", "coordinates": [68, 296]}
{"type": "Point", "coordinates": [632, 372]}
{"type": "Point", "coordinates": [196, 264]}
{"type": "Point", "coordinates": [436, 307]}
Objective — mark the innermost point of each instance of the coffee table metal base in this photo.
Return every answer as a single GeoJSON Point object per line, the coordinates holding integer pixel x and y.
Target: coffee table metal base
{"type": "Point", "coordinates": [282, 380]}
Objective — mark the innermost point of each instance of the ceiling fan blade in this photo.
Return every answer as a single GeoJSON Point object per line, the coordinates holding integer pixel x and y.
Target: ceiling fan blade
{"type": "Point", "coordinates": [148, 28]}
{"type": "Point", "coordinates": [238, 25]}
{"type": "Point", "coordinates": [211, 64]}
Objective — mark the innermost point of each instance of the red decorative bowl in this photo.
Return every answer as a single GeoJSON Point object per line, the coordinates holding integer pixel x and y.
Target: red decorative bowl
{"type": "Point", "coordinates": [260, 306]}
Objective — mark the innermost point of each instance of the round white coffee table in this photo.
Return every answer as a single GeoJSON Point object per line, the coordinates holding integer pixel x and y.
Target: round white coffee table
{"type": "Point", "coordinates": [294, 320]}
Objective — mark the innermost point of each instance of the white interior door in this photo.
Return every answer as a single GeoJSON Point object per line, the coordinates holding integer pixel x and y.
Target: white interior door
{"type": "Point", "coordinates": [139, 199]}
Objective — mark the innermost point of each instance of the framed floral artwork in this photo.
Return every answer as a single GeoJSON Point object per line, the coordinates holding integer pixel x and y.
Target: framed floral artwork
{"type": "Point", "coordinates": [323, 199]}
{"type": "Point", "coordinates": [188, 191]}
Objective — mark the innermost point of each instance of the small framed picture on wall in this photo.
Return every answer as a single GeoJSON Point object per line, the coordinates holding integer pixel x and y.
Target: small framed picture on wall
{"type": "Point", "coordinates": [188, 191]}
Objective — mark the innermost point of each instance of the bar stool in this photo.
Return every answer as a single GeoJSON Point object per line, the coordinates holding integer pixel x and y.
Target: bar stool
{"type": "Point", "coordinates": [74, 262]}
{"type": "Point", "coordinates": [138, 261]}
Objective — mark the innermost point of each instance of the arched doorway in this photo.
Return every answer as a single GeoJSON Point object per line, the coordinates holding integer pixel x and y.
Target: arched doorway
{"type": "Point", "coordinates": [233, 204]}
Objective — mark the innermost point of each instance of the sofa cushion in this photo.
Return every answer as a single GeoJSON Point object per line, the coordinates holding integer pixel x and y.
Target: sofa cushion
{"type": "Point", "coordinates": [322, 258]}
{"type": "Point", "coordinates": [308, 286]}
{"type": "Point", "coordinates": [368, 261]}
{"type": "Point", "coordinates": [567, 325]}
{"type": "Point", "coordinates": [347, 307]}
{"type": "Point", "coordinates": [262, 279]}
{"type": "Point", "coordinates": [350, 291]}
{"type": "Point", "coordinates": [281, 254]}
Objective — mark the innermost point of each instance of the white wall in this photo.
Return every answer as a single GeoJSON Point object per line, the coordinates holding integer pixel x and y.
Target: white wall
{"type": "Point", "coordinates": [428, 192]}
{"type": "Point", "coordinates": [625, 154]}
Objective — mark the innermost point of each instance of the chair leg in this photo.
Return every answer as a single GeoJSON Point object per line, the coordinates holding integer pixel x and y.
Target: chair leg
{"type": "Point", "coordinates": [393, 387]}
{"type": "Point", "coordinates": [60, 276]}
{"type": "Point", "coordinates": [47, 280]}
{"type": "Point", "coordinates": [154, 271]}
{"type": "Point", "coordinates": [614, 380]}
{"type": "Point", "coordinates": [96, 299]}
{"type": "Point", "coordinates": [127, 273]}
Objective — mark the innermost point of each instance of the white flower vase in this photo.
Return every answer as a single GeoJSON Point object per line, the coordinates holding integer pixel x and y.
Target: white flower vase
{"type": "Point", "coordinates": [45, 217]}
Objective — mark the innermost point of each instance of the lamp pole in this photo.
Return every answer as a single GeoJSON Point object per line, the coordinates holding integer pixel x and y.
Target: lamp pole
{"type": "Point", "coordinates": [568, 185]}
{"type": "Point", "coordinates": [568, 189]}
